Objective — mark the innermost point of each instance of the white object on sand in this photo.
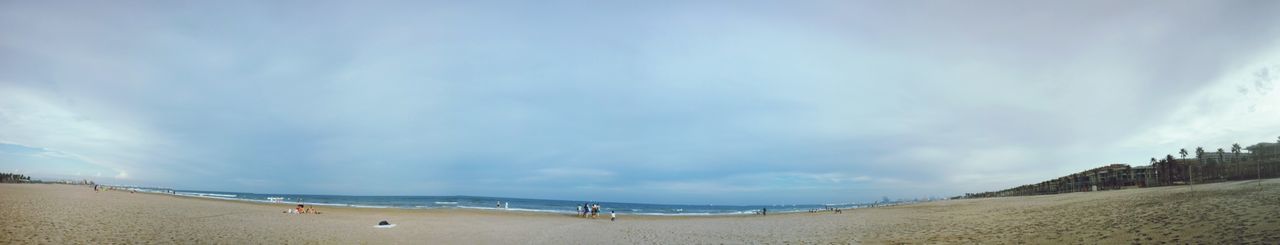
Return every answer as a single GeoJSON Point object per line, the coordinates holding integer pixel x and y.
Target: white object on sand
{"type": "Point", "coordinates": [384, 226]}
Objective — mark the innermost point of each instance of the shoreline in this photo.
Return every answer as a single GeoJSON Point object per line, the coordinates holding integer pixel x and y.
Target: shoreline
{"type": "Point", "coordinates": [479, 211]}
{"type": "Point", "coordinates": [773, 209]}
{"type": "Point", "coordinates": [1228, 212]}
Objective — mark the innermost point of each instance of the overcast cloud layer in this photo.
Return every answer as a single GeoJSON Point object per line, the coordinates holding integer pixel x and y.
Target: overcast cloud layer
{"type": "Point", "coordinates": [681, 102]}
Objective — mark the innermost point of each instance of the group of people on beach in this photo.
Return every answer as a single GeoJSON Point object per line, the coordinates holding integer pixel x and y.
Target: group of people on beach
{"type": "Point", "coordinates": [302, 209]}
{"type": "Point", "coordinates": [829, 209]}
{"type": "Point", "coordinates": [97, 187]}
{"type": "Point", "coordinates": [588, 210]}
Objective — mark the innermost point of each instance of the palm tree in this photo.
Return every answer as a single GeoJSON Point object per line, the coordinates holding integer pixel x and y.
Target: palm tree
{"type": "Point", "coordinates": [1183, 152]}
{"type": "Point", "coordinates": [1235, 148]}
{"type": "Point", "coordinates": [1169, 164]}
{"type": "Point", "coordinates": [1199, 157]}
{"type": "Point", "coordinates": [1220, 162]}
{"type": "Point", "coordinates": [1159, 168]}
{"type": "Point", "coordinates": [1235, 151]}
{"type": "Point", "coordinates": [1164, 176]}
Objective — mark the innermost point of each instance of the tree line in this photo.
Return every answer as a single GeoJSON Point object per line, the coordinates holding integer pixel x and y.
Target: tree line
{"type": "Point", "coordinates": [14, 178]}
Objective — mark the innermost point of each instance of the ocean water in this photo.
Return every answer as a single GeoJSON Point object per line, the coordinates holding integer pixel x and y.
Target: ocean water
{"type": "Point", "coordinates": [491, 203]}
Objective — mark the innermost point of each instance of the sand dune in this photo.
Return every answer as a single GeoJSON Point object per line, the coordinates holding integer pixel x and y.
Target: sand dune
{"type": "Point", "coordinates": [1232, 212]}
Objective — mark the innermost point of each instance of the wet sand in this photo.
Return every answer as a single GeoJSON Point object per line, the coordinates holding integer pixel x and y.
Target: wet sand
{"type": "Point", "coordinates": [1231, 212]}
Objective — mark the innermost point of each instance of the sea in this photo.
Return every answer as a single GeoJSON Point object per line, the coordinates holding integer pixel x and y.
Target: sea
{"type": "Point", "coordinates": [567, 207]}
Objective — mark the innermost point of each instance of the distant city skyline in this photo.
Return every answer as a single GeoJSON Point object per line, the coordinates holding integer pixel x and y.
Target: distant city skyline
{"type": "Point", "coordinates": [723, 102]}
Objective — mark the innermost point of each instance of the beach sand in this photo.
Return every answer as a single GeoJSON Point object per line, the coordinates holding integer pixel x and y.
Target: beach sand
{"type": "Point", "coordinates": [1231, 212]}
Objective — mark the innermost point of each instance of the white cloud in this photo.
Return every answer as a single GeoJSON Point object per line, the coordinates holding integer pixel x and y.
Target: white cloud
{"type": "Point", "coordinates": [568, 175]}
{"type": "Point", "coordinates": [37, 119]}
{"type": "Point", "coordinates": [1241, 106]}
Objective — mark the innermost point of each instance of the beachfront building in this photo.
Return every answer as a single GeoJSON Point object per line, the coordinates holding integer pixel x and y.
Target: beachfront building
{"type": "Point", "coordinates": [1143, 176]}
{"type": "Point", "coordinates": [1261, 160]}
{"type": "Point", "coordinates": [1214, 166]}
{"type": "Point", "coordinates": [1109, 177]}
{"type": "Point", "coordinates": [1264, 159]}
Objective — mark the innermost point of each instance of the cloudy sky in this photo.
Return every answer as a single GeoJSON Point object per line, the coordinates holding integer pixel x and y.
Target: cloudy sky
{"type": "Point", "coordinates": [729, 102]}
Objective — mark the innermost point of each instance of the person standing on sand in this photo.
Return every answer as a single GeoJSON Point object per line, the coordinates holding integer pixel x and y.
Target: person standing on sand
{"type": "Point", "coordinates": [595, 210]}
{"type": "Point", "coordinates": [613, 215]}
{"type": "Point", "coordinates": [764, 211]}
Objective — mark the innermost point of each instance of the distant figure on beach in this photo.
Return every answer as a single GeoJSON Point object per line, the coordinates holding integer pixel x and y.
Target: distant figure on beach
{"type": "Point", "coordinates": [613, 215]}
{"type": "Point", "coordinates": [579, 213]}
{"type": "Point", "coordinates": [300, 208]}
{"type": "Point", "coordinates": [764, 211]}
{"type": "Point", "coordinates": [499, 205]}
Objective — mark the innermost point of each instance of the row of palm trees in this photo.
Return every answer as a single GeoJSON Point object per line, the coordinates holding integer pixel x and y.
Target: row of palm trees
{"type": "Point", "coordinates": [1170, 172]}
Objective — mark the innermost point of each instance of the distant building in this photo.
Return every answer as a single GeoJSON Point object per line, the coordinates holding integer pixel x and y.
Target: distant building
{"type": "Point", "coordinates": [1143, 176]}
{"type": "Point", "coordinates": [1261, 160]}
{"type": "Point", "coordinates": [1227, 157]}
{"type": "Point", "coordinates": [1266, 152]}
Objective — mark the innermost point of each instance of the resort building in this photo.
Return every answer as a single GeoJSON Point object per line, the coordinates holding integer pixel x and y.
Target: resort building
{"type": "Point", "coordinates": [1261, 160]}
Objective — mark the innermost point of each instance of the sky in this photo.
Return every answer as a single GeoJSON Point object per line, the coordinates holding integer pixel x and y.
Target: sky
{"type": "Point", "coordinates": [688, 102]}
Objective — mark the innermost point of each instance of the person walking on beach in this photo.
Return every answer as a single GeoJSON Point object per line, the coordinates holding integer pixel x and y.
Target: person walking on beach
{"type": "Point", "coordinates": [613, 215]}
{"type": "Point", "coordinates": [764, 211]}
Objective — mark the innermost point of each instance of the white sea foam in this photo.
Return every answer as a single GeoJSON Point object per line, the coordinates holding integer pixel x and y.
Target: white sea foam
{"type": "Point", "coordinates": [367, 206]}
{"type": "Point", "coordinates": [520, 210]}
{"type": "Point", "coordinates": [658, 210]}
{"type": "Point", "coordinates": [183, 193]}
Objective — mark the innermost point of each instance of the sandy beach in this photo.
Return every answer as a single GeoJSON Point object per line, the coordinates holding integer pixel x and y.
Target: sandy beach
{"type": "Point", "coordinates": [1230, 212]}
